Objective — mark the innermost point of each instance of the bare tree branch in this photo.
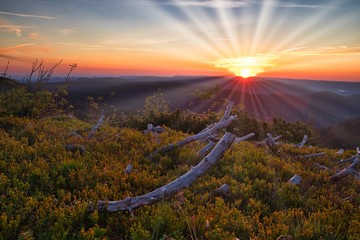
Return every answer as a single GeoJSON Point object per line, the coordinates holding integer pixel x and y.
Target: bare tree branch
{"type": "Point", "coordinates": [171, 188]}
{"type": "Point", "coordinates": [201, 135]}
{"type": "Point", "coordinates": [97, 126]}
{"type": "Point", "coordinates": [302, 143]}
{"type": "Point", "coordinates": [205, 150]}
{"type": "Point", "coordinates": [350, 170]}
{"type": "Point", "coordinates": [244, 138]}
{"type": "Point", "coordinates": [265, 141]}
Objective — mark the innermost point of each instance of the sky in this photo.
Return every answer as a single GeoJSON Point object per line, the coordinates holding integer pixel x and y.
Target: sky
{"type": "Point", "coordinates": [305, 39]}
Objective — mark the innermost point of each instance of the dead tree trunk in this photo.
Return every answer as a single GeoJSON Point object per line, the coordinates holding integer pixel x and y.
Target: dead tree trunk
{"type": "Point", "coordinates": [171, 188]}
{"type": "Point", "coordinates": [208, 132]}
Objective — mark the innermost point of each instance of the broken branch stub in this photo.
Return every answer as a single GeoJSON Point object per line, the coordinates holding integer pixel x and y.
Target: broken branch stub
{"type": "Point", "coordinates": [171, 188]}
{"type": "Point", "coordinates": [265, 141]}
{"type": "Point", "coordinates": [296, 179]}
{"type": "Point", "coordinates": [302, 143]}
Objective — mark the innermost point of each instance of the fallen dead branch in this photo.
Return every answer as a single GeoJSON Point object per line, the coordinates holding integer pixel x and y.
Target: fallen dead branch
{"type": "Point", "coordinates": [350, 170]}
{"type": "Point", "coordinates": [265, 141]}
{"type": "Point", "coordinates": [97, 126]}
{"type": "Point", "coordinates": [352, 158]}
{"type": "Point", "coordinates": [302, 143]}
{"type": "Point", "coordinates": [209, 131]}
{"type": "Point", "coordinates": [171, 188]}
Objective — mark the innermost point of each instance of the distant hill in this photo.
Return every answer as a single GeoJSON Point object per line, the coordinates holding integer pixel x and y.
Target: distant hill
{"type": "Point", "coordinates": [319, 103]}
{"type": "Point", "coordinates": [345, 134]}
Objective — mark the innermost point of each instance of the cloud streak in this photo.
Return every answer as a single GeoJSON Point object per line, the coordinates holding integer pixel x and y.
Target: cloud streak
{"type": "Point", "coordinates": [208, 3]}
{"type": "Point", "coordinates": [66, 31]}
{"type": "Point", "coordinates": [26, 15]}
{"type": "Point", "coordinates": [17, 29]}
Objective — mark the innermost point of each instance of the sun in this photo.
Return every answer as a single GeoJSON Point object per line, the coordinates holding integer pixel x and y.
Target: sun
{"type": "Point", "coordinates": [245, 66]}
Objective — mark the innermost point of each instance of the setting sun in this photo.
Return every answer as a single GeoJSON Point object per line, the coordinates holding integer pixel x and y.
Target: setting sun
{"type": "Point", "coordinates": [246, 66]}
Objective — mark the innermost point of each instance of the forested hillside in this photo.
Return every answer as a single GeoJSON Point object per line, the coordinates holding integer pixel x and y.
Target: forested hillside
{"type": "Point", "coordinates": [55, 168]}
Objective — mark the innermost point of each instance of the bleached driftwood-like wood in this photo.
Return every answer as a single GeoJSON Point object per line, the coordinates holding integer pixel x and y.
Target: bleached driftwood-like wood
{"type": "Point", "coordinates": [227, 111]}
{"type": "Point", "coordinates": [340, 151]}
{"type": "Point", "coordinates": [205, 150]}
{"type": "Point", "coordinates": [151, 128]}
{"type": "Point", "coordinates": [223, 189]}
{"type": "Point", "coordinates": [75, 148]}
{"type": "Point", "coordinates": [270, 140]}
{"type": "Point", "coordinates": [296, 179]}
{"type": "Point", "coordinates": [352, 158]}
{"type": "Point", "coordinates": [244, 138]}
{"type": "Point", "coordinates": [265, 141]}
{"type": "Point", "coordinates": [129, 168]}
{"type": "Point", "coordinates": [312, 155]}
{"type": "Point", "coordinates": [302, 143]}
{"type": "Point", "coordinates": [97, 126]}
{"type": "Point", "coordinates": [171, 188]}
{"type": "Point", "coordinates": [201, 135]}
{"type": "Point", "coordinates": [350, 170]}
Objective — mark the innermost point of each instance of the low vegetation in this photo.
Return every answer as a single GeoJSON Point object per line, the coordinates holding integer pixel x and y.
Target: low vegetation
{"type": "Point", "coordinates": [47, 192]}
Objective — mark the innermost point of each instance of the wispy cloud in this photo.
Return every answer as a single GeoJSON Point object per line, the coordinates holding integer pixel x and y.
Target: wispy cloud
{"type": "Point", "coordinates": [300, 5]}
{"type": "Point", "coordinates": [66, 31]}
{"type": "Point", "coordinates": [18, 46]}
{"type": "Point", "coordinates": [26, 15]}
{"type": "Point", "coordinates": [17, 29]}
{"type": "Point", "coordinates": [208, 3]}
{"type": "Point", "coordinates": [74, 44]}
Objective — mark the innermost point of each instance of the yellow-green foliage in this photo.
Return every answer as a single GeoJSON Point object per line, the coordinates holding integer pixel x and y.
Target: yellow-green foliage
{"type": "Point", "coordinates": [45, 191]}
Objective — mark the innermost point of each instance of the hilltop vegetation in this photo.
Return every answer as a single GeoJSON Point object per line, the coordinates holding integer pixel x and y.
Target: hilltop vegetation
{"type": "Point", "coordinates": [46, 191]}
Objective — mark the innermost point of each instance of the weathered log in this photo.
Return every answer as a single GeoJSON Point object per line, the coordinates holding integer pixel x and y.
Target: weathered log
{"type": "Point", "coordinates": [223, 190]}
{"type": "Point", "coordinates": [75, 148]}
{"type": "Point", "coordinates": [129, 168]}
{"type": "Point", "coordinates": [265, 141]}
{"type": "Point", "coordinates": [205, 150]}
{"type": "Point", "coordinates": [168, 190]}
{"type": "Point", "coordinates": [244, 138]}
{"type": "Point", "coordinates": [151, 128]}
{"type": "Point", "coordinates": [296, 179]}
{"type": "Point", "coordinates": [97, 126]}
{"type": "Point", "coordinates": [302, 143]}
{"type": "Point", "coordinates": [350, 170]}
{"type": "Point", "coordinates": [201, 135]}
{"type": "Point", "coordinates": [312, 155]}
{"type": "Point", "coordinates": [340, 151]}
